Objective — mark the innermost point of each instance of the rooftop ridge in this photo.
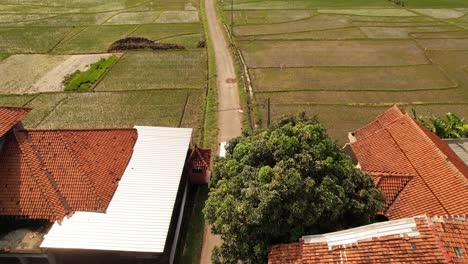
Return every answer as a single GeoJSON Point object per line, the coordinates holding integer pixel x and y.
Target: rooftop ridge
{"type": "Point", "coordinates": [55, 200]}
{"type": "Point", "coordinates": [85, 177]}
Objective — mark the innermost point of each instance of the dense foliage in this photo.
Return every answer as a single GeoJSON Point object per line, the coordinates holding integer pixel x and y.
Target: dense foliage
{"type": "Point", "coordinates": [83, 81]}
{"type": "Point", "coordinates": [452, 127]}
{"type": "Point", "coordinates": [278, 185]}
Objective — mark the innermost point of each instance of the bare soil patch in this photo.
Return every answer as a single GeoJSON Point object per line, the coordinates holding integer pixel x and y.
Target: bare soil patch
{"type": "Point", "coordinates": [444, 44]}
{"type": "Point", "coordinates": [20, 72]}
{"type": "Point", "coordinates": [52, 81]}
{"type": "Point", "coordinates": [440, 13]}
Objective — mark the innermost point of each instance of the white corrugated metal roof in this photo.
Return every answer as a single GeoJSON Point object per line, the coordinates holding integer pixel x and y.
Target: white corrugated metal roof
{"type": "Point", "coordinates": [354, 235]}
{"type": "Point", "coordinates": [460, 147]}
{"type": "Point", "coordinates": [139, 215]}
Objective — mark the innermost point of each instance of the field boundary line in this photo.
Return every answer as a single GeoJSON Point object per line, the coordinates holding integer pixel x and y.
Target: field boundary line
{"type": "Point", "coordinates": [54, 107]}
{"type": "Point", "coordinates": [184, 109]}
{"type": "Point", "coordinates": [91, 89]}
{"type": "Point", "coordinates": [30, 100]}
{"type": "Point", "coordinates": [357, 90]}
{"type": "Point", "coordinates": [341, 66]}
{"type": "Point", "coordinates": [65, 39]}
{"type": "Point", "coordinates": [276, 23]}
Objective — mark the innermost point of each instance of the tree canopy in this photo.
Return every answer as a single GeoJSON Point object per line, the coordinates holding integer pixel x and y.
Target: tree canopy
{"type": "Point", "coordinates": [452, 127]}
{"type": "Point", "coordinates": [277, 185]}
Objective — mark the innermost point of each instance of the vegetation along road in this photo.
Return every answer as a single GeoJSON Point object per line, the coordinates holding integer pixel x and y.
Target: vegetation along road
{"type": "Point", "coordinates": [229, 117]}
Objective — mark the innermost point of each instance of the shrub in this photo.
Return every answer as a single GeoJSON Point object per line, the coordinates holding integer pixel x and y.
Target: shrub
{"type": "Point", "coordinates": [137, 43]}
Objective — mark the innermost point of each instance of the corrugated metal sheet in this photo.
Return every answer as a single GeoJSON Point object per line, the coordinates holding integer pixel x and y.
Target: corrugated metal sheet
{"type": "Point", "coordinates": [139, 215]}
{"type": "Point", "coordinates": [396, 227]}
{"type": "Point", "coordinates": [460, 147]}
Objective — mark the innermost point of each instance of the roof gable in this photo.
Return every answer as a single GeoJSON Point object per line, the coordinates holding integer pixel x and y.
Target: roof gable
{"type": "Point", "coordinates": [403, 147]}
{"type": "Point", "coordinates": [71, 170]}
{"type": "Point", "coordinates": [10, 116]}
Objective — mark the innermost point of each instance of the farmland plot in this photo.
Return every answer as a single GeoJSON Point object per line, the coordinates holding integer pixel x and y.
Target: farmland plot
{"type": "Point", "coordinates": [350, 60]}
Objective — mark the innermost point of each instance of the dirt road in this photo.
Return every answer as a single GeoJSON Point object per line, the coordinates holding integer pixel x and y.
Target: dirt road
{"type": "Point", "coordinates": [229, 117]}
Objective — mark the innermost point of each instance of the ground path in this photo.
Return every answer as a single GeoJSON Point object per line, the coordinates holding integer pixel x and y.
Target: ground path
{"type": "Point", "coordinates": [229, 117]}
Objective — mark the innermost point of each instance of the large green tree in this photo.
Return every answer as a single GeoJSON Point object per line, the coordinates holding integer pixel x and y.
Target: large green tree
{"type": "Point", "coordinates": [450, 127]}
{"type": "Point", "coordinates": [277, 185]}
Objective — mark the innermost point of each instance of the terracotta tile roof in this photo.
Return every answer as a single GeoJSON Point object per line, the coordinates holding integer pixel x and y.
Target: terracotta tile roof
{"type": "Point", "coordinates": [433, 179]}
{"type": "Point", "coordinates": [420, 239]}
{"type": "Point", "coordinates": [46, 174]}
{"type": "Point", "coordinates": [10, 116]}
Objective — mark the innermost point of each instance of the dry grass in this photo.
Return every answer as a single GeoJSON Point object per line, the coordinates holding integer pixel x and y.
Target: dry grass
{"type": "Point", "coordinates": [350, 78]}
{"type": "Point", "coordinates": [331, 53]}
{"type": "Point", "coordinates": [156, 70]}
{"type": "Point", "coordinates": [20, 72]}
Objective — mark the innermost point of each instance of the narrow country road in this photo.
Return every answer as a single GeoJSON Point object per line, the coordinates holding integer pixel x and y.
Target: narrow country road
{"type": "Point", "coordinates": [229, 117]}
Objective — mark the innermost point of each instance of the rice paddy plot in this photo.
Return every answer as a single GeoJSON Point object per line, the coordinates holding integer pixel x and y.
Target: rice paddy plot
{"type": "Point", "coordinates": [178, 17]}
{"type": "Point", "coordinates": [318, 22]}
{"type": "Point", "coordinates": [397, 24]}
{"type": "Point", "coordinates": [444, 44]}
{"type": "Point", "coordinates": [15, 100]}
{"type": "Point", "coordinates": [133, 18]}
{"type": "Point", "coordinates": [440, 13]}
{"type": "Point", "coordinates": [362, 97]}
{"type": "Point", "coordinates": [111, 110]}
{"type": "Point", "coordinates": [31, 39]}
{"type": "Point", "coordinates": [69, 20]}
{"type": "Point", "coordinates": [3, 56]}
{"type": "Point", "coordinates": [436, 3]}
{"type": "Point", "coordinates": [268, 16]}
{"type": "Point", "coordinates": [161, 31]}
{"type": "Point", "coordinates": [329, 34]}
{"type": "Point", "coordinates": [434, 35]}
{"type": "Point", "coordinates": [350, 78]}
{"type": "Point", "coordinates": [370, 12]}
{"type": "Point", "coordinates": [259, 54]}
{"type": "Point", "coordinates": [402, 32]}
{"type": "Point", "coordinates": [189, 41]}
{"type": "Point", "coordinates": [94, 39]}
{"type": "Point", "coordinates": [20, 72]}
{"type": "Point", "coordinates": [8, 19]}
{"type": "Point", "coordinates": [157, 70]}
{"type": "Point", "coordinates": [390, 19]}
{"type": "Point", "coordinates": [303, 4]}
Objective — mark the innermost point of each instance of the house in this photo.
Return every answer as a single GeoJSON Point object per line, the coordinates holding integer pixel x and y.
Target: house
{"type": "Point", "coordinates": [420, 176]}
{"type": "Point", "coordinates": [416, 170]}
{"type": "Point", "coordinates": [83, 195]}
{"type": "Point", "coordinates": [419, 239]}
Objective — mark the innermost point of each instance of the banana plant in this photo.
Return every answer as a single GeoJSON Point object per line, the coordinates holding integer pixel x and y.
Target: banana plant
{"type": "Point", "coordinates": [450, 127]}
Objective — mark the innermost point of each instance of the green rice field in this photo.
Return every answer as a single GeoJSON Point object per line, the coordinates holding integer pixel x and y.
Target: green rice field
{"type": "Point", "coordinates": [347, 61]}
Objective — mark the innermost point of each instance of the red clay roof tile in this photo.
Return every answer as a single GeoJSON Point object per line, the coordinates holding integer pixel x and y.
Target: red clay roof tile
{"type": "Point", "coordinates": [402, 147]}
{"type": "Point", "coordinates": [10, 116]}
{"type": "Point", "coordinates": [49, 173]}
{"type": "Point", "coordinates": [435, 242]}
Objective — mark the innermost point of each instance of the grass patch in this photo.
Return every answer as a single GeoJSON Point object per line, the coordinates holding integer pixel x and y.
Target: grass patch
{"type": "Point", "coordinates": [178, 17]}
{"type": "Point", "coordinates": [329, 34]}
{"type": "Point", "coordinates": [193, 245]}
{"type": "Point", "coordinates": [267, 16]}
{"type": "Point", "coordinates": [3, 56]}
{"type": "Point", "coordinates": [83, 81]}
{"type": "Point", "coordinates": [15, 100]}
{"type": "Point", "coordinates": [133, 18]}
{"type": "Point", "coordinates": [143, 70]}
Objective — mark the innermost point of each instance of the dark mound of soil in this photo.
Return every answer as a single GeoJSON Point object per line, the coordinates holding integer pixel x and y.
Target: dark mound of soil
{"type": "Point", "coordinates": [138, 43]}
